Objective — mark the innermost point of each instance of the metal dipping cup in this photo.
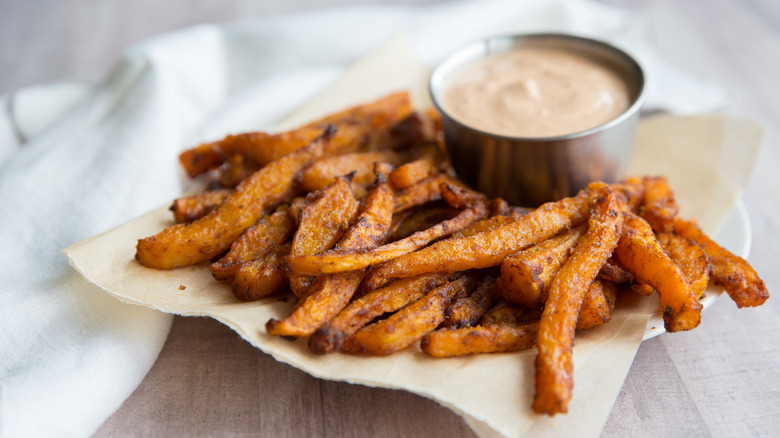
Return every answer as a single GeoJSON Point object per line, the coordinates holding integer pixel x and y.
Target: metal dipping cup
{"type": "Point", "coordinates": [531, 171]}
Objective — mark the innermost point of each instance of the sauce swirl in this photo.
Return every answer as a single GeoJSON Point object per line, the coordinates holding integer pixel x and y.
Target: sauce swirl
{"type": "Point", "coordinates": [536, 92]}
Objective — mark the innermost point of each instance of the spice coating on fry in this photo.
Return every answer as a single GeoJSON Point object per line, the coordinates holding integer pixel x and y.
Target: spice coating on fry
{"type": "Point", "coordinates": [186, 244]}
{"type": "Point", "coordinates": [641, 253]}
{"type": "Point", "coordinates": [490, 248]}
{"type": "Point", "coordinates": [323, 221]}
{"type": "Point", "coordinates": [740, 280]}
{"type": "Point", "coordinates": [329, 294]}
{"type": "Point", "coordinates": [554, 367]}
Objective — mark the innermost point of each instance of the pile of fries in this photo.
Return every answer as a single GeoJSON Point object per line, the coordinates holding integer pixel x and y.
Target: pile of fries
{"type": "Point", "coordinates": [360, 217]}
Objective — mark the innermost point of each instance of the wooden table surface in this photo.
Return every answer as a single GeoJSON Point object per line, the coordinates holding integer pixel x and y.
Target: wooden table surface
{"type": "Point", "coordinates": [722, 379]}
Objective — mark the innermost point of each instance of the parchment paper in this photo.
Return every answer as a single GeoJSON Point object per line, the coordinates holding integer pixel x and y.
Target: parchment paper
{"type": "Point", "coordinates": [492, 392]}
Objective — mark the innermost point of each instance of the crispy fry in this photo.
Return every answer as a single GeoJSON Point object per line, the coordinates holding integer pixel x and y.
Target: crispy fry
{"type": "Point", "coordinates": [407, 325]}
{"type": "Point", "coordinates": [489, 248]}
{"type": "Point", "coordinates": [201, 159]}
{"type": "Point", "coordinates": [257, 241]}
{"type": "Point", "coordinates": [467, 311]}
{"type": "Point", "coordinates": [640, 253]}
{"type": "Point", "coordinates": [612, 272]}
{"type": "Point", "coordinates": [633, 190]}
{"type": "Point", "coordinates": [349, 260]}
{"type": "Point", "coordinates": [527, 275]}
{"type": "Point", "coordinates": [642, 289]}
{"type": "Point", "coordinates": [658, 206]}
{"type": "Point", "coordinates": [358, 126]}
{"type": "Point", "coordinates": [323, 172]}
{"type": "Point", "coordinates": [360, 312]}
{"type": "Point", "coordinates": [598, 304]}
{"type": "Point", "coordinates": [504, 312]}
{"type": "Point", "coordinates": [194, 207]}
{"type": "Point", "coordinates": [425, 191]}
{"type": "Point", "coordinates": [460, 197]}
{"type": "Point", "coordinates": [554, 368]}
{"type": "Point", "coordinates": [411, 173]}
{"type": "Point", "coordinates": [330, 293]}
{"type": "Point", "coordinates": [296, 208]}
{"type": "Point", "coordinates": [741, 282]}
{"type": "Point", "coordinates": [484, 225]}
{"type": "Point", "coordinates": [499, 207]}
{"type": "Point", "coordinates": [407, 133]}
{"type": "Point", "coordinates": [326, 296]}
{"type": "Point", "coordinates": [691, 259]}
{"type": "Point", "coordinates": [235, 169]}
{"type": "Point", "coordinates": [408, 222]}
{"type": "Point", "coordinates": [489, 338]}
{"type": "Point", "coordinates": [186, 244]}
{"type": "Point", "coordinates": [262, 277]}
{"type": "Point", "coordinates": [324, 220]}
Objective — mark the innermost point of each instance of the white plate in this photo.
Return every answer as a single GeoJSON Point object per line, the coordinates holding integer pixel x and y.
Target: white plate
{"type": "Point", "coordinates": [733, 235]}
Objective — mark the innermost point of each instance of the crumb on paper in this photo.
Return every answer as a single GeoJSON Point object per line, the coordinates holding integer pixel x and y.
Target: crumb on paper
{"type": "Point", "coordinates": [182, 287]}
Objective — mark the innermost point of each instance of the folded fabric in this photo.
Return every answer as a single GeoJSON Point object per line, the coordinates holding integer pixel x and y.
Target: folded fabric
{"type": "Point", "coordinates": [76, 160]}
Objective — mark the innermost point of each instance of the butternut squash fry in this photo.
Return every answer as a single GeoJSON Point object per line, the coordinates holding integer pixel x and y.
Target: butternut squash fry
{"type": "Point", "coordinates": [554, 367]}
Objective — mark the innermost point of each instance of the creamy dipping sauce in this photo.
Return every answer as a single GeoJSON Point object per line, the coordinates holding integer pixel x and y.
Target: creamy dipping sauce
{"type": "Point", "coordinates": [536, 92]}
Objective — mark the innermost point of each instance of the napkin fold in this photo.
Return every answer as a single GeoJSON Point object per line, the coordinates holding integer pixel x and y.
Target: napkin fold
{"type": "Point", "coordinates": [78, 160]}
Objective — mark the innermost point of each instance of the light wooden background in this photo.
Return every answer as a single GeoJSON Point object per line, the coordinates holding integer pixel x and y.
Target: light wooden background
{"type": "Point", "coordinates": [722, 379]}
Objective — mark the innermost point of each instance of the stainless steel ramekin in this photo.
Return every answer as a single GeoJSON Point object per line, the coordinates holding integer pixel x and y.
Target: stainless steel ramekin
{"type": "Point", "coordinates": [531, 171]}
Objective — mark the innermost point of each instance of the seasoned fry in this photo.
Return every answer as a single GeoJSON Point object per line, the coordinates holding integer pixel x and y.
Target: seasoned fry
{"type": "Point", "coordinates": [728, 270]}
{"type": "Point", "coordinates": [598, 304]}
{"type": "Point", "coordinates": [296, 207]}
{"type": "Point", "coordinates": [490, 338]}
{"type": "Point", "coordinates": [554, 368]}
{"type": "Point", "coordinates": [460, 197]}
{"type": "Point", "coordinates": [323, 172]}
{"type": "Point", "coordinates": [691, 259]}
{"type": "Point", "coordinates": [358, 126]}
{"type": "Point", "coordinates": [408, 222]}
{"type": "Point", "coordinates": [330, 293]}
{"type": "Point", "coordinates": [499, 207]}
{"type": "Point", "coordinates": [323, 221]}
{"type": "Point", "coordinates": [360, 312]}
{"type": "Point", "coordinates": [425, 191]}
{"type": "Point", "coordinates": [486, 249]}
{"type": "Point", "coordinates": [612, 272]}
{"type": "Point", "coordinates": [484, 225]}
{"type": "Point", "coordinates": [658, 206]}
{"type": "Point", "coordinates": [633, 190]}
{"type": "Point", "coordinates": [186, 244]}
{"type": "Point", "coordinates": [640, 253]}
{"type": "Point", "coordinates": [262, 277]}
{"type": "Point", "coordinates": [527, 275]}
{"type": "Point", "coordinates": [413, 172]}
{"type": "Point", "coordinates": [194, 207]}
{"type": "Point", "coordinates": [235, 169]}
{"type": "Point", "coordinates": [642, 289]}
{"type": "Point", "coordinates": [467, 311]}
{"type": "Point", "coordinates": [350, 260]}
{"type": "Point", "coordinates": [504, 312]}
{"type": "Point", "coordinates": [407, 325]}
{"type": "Point", "coordinates": [202, 158]}
{"type": "Point", "coordinates": [257, 241]}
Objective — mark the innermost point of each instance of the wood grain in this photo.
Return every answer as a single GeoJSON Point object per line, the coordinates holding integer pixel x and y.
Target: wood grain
{"type": "Point", "coordinates": [722, 379]}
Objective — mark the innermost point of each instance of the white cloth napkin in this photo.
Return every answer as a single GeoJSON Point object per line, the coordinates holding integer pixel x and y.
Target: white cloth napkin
{"type": "Point", "coordinates": [79, 159]}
